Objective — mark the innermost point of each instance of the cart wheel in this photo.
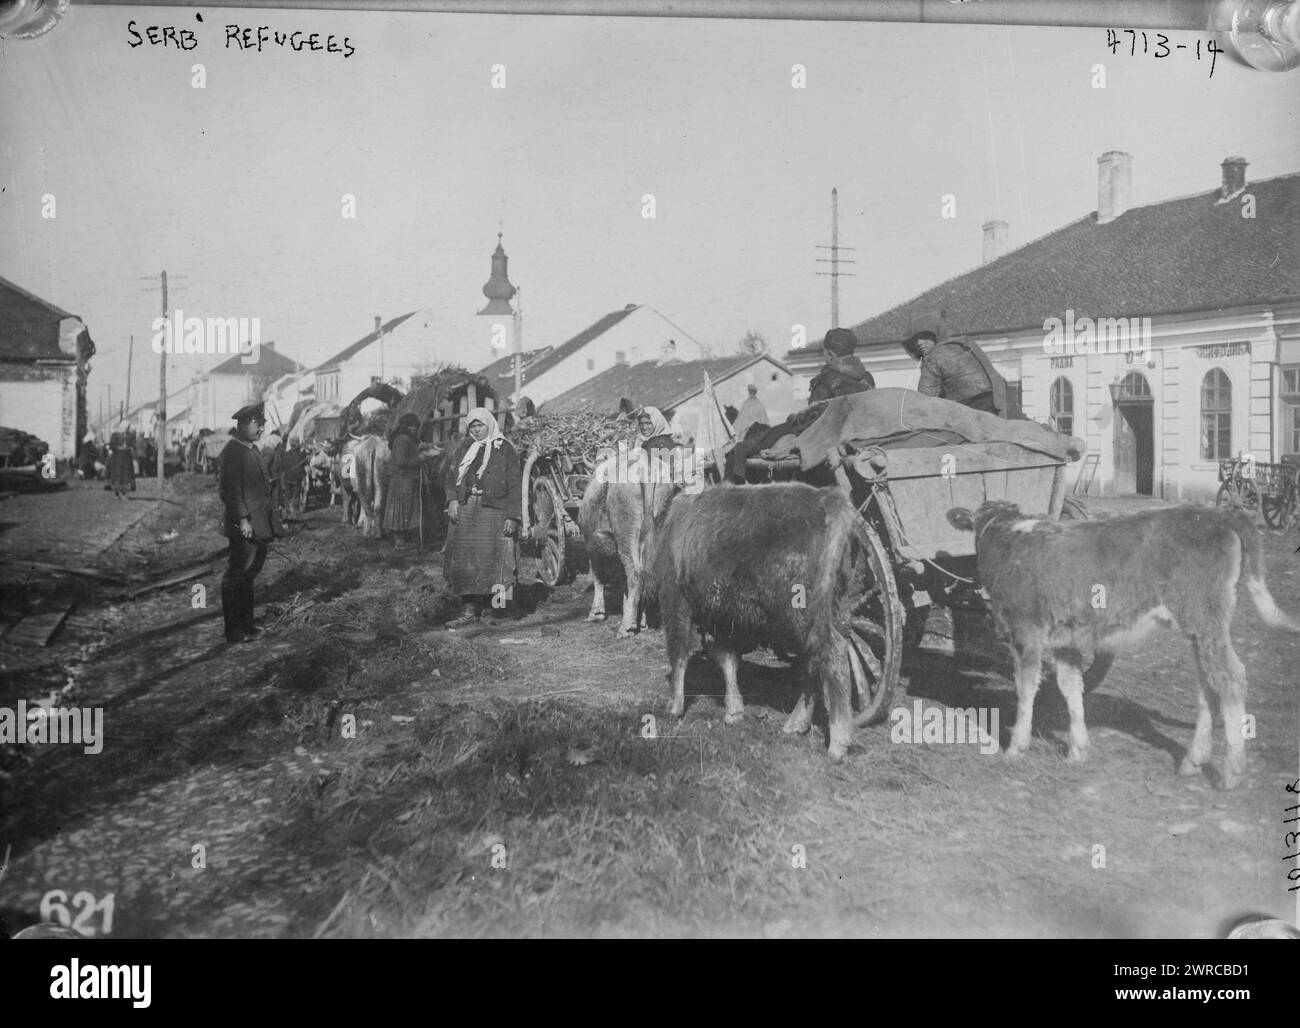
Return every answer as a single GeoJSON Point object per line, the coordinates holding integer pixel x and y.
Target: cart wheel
{"type": "Point", "coordinates": [1241, 495]}
{"type": "Point", "coordinates": [1074, 510]}
{"type": "Point", "coordinates": [1278, 511]}
{"type": "Point", "coordinates": [548, 531]}
{"type": "Point", "coordinates": [875, 637]}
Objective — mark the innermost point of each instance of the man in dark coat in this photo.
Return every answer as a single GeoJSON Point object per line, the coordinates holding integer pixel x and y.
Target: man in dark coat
{"type": "Point", "coordinates": [953, 368]}
{"type": "Point", "coordinates": [246, 494]}
{"type": "Point", "coordinates": [843, 373]}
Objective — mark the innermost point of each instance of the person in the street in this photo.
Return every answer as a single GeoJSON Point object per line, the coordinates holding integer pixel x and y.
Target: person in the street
{"type": "Point", "coordinates": [655, 432]}
{"type": "Point", "coordinates": [485, 510]}
{"type": "Point", "coordinates": [246, 494]}
{"type": "Point", "coordinates": [402, 497]}
{"type": "Point", "coordinates": [121, 469]}
{"type": "Point", "coordinates": [272, 451]}
{"type": "Point", "coordinates": [842, 374]}
{"type": "Point", "coordinates": [752, 412]}
{"type": "Point", "coordinates": [954, 368]}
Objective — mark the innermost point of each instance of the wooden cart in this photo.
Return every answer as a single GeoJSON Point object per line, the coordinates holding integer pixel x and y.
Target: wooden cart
{"type": "Point", "coordinates": [916, 557]}
{"type": "Point", "coordinates": [553, 484]}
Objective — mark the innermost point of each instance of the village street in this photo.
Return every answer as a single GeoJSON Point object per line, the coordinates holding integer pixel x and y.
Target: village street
{"type": "Point", "coordinates": [360, 770]}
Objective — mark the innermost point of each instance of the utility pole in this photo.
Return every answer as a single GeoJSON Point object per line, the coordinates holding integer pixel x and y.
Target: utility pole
{"type": "Point", "coordinates": [519, 349]}
{"type": "Point", "coordinates": [130, 357]}
{"type": "Point", "coordinates": [835, 260]}
{"type": "Point", "coordinates": [160, 436]}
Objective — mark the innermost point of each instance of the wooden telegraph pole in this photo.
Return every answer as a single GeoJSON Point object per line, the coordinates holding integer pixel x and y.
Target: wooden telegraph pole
{"type": "Point", "coordinates": [835, 260]}
{"type": "Point", "coordinates": [160, 432]}
{"type": "Point", "coordinates": [130, 359]}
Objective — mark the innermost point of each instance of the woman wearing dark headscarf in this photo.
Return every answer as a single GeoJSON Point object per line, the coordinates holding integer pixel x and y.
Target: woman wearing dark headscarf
{"type": "Point", "coordinates": [121, 469]}
{"type": "Point", "coordinates": [402, 500]}
{"type": "Point", "coordinates": [485, 510]}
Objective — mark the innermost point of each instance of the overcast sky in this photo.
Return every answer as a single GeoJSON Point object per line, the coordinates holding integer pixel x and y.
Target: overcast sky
{"type": "Point", "coordinates": [237, 186]}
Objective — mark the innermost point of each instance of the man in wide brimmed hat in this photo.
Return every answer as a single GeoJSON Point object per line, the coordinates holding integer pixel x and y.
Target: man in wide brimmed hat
{"type": "Point", "coordinates": [954, 368]}
{"type": "Point", "coordinates": [843, 373]}
{"type": "Point", "coordinates": [246, 494]}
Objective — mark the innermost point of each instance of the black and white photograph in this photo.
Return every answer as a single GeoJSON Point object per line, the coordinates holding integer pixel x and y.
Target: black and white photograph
{"type": "Point", "coordinates": [649, 471]}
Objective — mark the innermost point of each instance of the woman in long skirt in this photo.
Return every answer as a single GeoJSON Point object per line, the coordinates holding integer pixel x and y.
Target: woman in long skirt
{"type": "Point", "coordinates": [402, 498]}
{"type": "Point", "coordinates": [485, 510]}
{"type": "Point", "coordinates": [121, 468]}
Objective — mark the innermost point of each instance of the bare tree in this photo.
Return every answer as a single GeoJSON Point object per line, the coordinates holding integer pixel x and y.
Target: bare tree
{"type": "Point", "coordinates": [753, 342]}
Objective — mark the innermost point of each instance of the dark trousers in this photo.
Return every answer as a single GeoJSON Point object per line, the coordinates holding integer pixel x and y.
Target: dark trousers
{"type": "Point", "coordinates": [245, 560]}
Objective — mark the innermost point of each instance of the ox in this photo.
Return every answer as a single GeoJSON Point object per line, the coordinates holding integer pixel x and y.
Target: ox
{"type": "Point", "coordinates": [769, 565]}
{"type": "Point", "coordinates": [1069, 586]}
{"type": "Point", "coordinates": [615, 517]}
{"type": "Point", "coordinates": [360, 473]}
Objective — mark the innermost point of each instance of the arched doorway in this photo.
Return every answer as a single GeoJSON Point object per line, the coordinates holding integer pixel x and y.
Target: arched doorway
{"type": "Point", "coordinates": [1134, 435]}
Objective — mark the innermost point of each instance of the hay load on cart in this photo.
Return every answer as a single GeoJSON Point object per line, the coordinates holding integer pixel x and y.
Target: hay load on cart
{"type": "Point", "coordinates": [905, 460]}
{"type": "Point", "coordinates": [559, 454]}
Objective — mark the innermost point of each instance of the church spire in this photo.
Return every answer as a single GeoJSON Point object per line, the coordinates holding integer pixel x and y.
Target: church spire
{"type": "Point", "coordinates": [498, 289]}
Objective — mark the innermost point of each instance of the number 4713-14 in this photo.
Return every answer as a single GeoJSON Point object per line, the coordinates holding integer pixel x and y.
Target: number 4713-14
{"type": "Point", "coordinates": [54, 908]}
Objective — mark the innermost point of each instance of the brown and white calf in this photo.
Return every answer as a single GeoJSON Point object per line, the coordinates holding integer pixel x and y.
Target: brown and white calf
{"type": "Point", "coordinates": [1061, 588]}
{"type": "Point", "coordinates": [767, 565]}
{"type": "Point", "coordinates": [615, 517]}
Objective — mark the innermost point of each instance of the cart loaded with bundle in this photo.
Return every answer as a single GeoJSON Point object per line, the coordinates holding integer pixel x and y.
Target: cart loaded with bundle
{"type": "Point", "coordinates": [905, 460]}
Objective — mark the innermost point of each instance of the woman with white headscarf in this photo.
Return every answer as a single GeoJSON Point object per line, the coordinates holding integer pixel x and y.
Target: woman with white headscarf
{"type": "Point", "coordinates": [484, 506]}
{"type": "Point", "coordinates": [655, 432]}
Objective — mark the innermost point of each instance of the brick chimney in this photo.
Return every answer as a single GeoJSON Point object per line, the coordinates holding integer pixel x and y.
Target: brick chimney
{"type": "Point", "coordinates": [995, 240]}
{"type": "Point", "coordinates": [668, 353]}
{"type": "Point", "coordinates": [1234, 178]}
{"type": "Point", "coordinates": [1113, 182]}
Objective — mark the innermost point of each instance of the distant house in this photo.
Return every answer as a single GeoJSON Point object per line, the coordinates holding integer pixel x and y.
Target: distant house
{"type": "Point", "coordinates": [677, 389]}
{"type": "Point", "coordinates": [635, 334]}
{"type": "Point", "coordinates": [180, 425]}
{"type": "Point", "coordinates": [1166, 336]}
{"type": "Point", "coordinates": [412, 344]}
{"type": "Point", "coordinates": [44, 361]}
{"type": "Point", "coordinates": [215, 395]}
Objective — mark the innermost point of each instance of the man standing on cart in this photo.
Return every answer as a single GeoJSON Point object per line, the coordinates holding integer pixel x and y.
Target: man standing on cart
{"type": "Point", "coordinates": [954, 368]}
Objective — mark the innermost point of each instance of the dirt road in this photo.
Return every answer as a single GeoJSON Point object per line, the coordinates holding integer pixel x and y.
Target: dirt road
{"type": "Point", "coordinates": [361, 771]}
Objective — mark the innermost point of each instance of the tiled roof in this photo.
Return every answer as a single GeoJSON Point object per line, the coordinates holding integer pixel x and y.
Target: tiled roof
{"type": "Point", "coordinates": [1189, 253]}
{"type": "Point", "coordinates": [29, 326]}
{"type": "Point", "coordinates": [646, 384]}
{"type": "Point", "coordinates": [269, 364]}
{"type": "Point", "coordinates": [505, 366]}
{"type": "Point", "coordinates": [351, 351]}
{"type": "Point", "coordinates": [570, 346]}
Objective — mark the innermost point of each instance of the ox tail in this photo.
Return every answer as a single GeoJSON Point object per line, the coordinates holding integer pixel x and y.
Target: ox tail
{"type": "Point", "coordinates": [846, 544]}
{"type": "Point", "coordinates": [1252, 570]}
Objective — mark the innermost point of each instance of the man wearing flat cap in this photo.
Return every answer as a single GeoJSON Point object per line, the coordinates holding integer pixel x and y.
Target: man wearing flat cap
{"type": "Point", "coordinates": [246, 494]}
{"type": "Point", "coordinates": [954, 368]}
{"type": "Point", "coordinates": [843, 373]}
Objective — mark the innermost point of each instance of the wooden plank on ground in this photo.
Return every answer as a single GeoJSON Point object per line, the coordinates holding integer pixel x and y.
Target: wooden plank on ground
{"type": "Point", "coordinates": [39, 565]}
{"type": "Point", "coordinates": [170, 580]}
{"type": "Point", "coordinates": [36, 629]}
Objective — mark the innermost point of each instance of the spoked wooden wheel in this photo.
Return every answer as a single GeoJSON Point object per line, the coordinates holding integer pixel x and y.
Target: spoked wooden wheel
{"type": "Point", "coordinates": [1279, 511]}
{"type": "Point", "coordinates": [875, 637]}
{"type": "Point", "coordinates": [1242, 494]}
{"type": "Point", "coordinates": [548, 532]}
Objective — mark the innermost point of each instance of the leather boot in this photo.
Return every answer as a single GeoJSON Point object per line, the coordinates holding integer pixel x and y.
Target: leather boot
{"type": "Point", "coordinates": [229, 606]}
